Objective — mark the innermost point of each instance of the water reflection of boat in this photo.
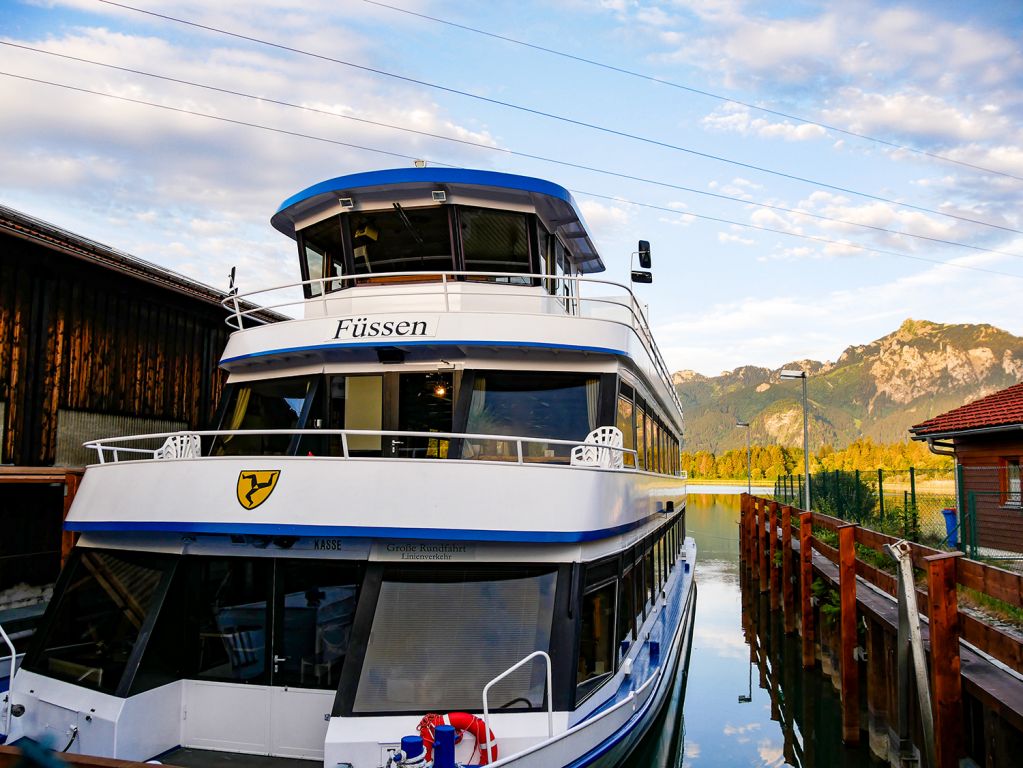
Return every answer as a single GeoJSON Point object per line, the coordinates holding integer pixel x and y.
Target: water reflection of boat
{"type": "Point", "coordinates": [457, 459]}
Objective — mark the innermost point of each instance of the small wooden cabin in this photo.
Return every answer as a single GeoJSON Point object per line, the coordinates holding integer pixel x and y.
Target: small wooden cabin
{"type": "Point", "coordinates": [93, 343]}
{"type": "Point", "coordinates": [986, 439]}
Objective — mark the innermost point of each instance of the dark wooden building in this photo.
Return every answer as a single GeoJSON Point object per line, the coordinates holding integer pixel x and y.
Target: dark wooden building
{"type": "Point", "coordinates": [986, 438]}
{"type": "Point", "coordinates": [93, 343]}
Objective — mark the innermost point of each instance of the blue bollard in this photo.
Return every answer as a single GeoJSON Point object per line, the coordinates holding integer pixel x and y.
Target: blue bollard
{"type": "Point", "coordinates": [444, 747]}
{"type": "Point", "coordinates": [412, 746]}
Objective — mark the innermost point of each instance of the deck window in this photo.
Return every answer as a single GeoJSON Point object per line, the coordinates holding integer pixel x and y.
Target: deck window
{"type": "Point", "coordinates": [440, 635]}
{"type": "Point", "coordinates": [641, 440]}
{"type": "Point", "coordinates": [264, 405]}
{"type": "Point", "coordinates": [626, 611]}
{"type": "Point", "coordinates": [624, 423]}
{"type": "Point", "coordinates": [541, 404]}
{"type": "Point", "coordinates": [495, 241]}
{"type": "Point", "coordinates": [596, 639]}
{"type": "Point", "coordinates": [90, 631]}
{"type": "Point", "coordinates": [401, 240]}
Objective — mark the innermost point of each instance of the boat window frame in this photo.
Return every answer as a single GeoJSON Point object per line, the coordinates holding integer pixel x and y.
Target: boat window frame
{"type": "Point", "coordinates": [46, 623]}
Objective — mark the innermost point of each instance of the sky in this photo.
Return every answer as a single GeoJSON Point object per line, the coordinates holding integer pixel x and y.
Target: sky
{"type": "Point", "coordinates": [809, 174]}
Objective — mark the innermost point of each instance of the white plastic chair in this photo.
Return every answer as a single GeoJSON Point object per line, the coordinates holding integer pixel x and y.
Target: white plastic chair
{"type": "Point", "coordinates": [597, 456]}
{"type": "Point", "coordinates": [185, 446]}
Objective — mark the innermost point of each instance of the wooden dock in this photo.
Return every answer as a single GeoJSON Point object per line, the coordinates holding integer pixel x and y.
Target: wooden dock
{"type": "Point", "coordinates": [976, 668]}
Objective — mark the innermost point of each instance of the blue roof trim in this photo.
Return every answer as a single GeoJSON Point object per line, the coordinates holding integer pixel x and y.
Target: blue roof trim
{"type": "Point", "coordinates": [433, 176]}
{"type": "Point", "coordinates": [356, 531]}
{"type": "Point", "coordinates": [445, 343]}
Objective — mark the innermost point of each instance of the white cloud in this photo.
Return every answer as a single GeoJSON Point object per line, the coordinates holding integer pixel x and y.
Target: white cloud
{"type": "Point", "coordinates": [911, 112]}
{"type": "Point", "coordinates": [737, 118]}
{"type": "Point", "coordinates": [606, 220]}
{"type": "Point", "coordinates": [731, 237]}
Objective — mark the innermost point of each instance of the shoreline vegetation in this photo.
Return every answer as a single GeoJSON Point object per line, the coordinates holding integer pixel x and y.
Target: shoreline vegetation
{"type": "Point", "coordinates": [769, 462]}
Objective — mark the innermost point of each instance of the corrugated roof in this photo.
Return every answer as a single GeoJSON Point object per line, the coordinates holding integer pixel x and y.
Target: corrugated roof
{"type": "Point", "coordinates": [1003, 408]}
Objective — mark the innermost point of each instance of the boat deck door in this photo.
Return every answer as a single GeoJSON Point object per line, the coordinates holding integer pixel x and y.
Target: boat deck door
{"type": "Point", "coordinates": [272, 636]}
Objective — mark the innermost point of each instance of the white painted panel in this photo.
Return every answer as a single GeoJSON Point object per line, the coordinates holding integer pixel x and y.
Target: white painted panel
{"type": "Point", "coordinates": [226, 716]}
{"type": "Point", "coordinates": [150, 723]}
{"type": "Point", "coordinates": [299, 719]}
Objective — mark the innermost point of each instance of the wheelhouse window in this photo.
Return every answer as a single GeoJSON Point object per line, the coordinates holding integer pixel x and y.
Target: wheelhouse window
{"type": "Point", "coordinates": [495, 241]}
{"type": "Point", "coordinates": [541, 404]}
{"type": "Point", "coordinates": [322, 251]}
{"type": "Point", "coordinates": [401, 240]}
{"type": "Point", "coordinates": [91, 630]}
{"type": "Point", "coordinates": [436, 640]}
{"type": "Point", "coordinates": [264, 405]}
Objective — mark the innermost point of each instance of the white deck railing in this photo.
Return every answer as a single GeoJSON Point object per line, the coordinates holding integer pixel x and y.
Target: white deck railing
{"type": "Point", "coordinates": [441, 284]}
{"type": "Point", "coordinates": [502, 676]}
{"type": "Point", "coordinates": [510, 447]}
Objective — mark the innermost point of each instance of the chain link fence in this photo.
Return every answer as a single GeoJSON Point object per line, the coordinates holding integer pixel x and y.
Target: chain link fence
{"type": "Point", "coordinates": [914, 504]}
{"type": "Point", "coordinates": [992, 529]}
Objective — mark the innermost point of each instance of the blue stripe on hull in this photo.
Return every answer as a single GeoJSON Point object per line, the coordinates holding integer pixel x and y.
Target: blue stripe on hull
{"type": "Point", "coordinates": [428, 343]}
{"type": "Point", "coordinates": [353, 531]}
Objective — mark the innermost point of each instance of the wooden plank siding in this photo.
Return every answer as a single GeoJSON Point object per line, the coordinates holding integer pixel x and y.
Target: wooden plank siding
{"type": "Point", "coordinates": [999, 526]}
{"type": "Point", "coordinates": [77, 335]}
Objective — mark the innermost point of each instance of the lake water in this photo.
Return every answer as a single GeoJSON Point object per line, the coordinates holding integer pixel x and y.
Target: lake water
{"type": "Point", "coordinates": [738, 712]}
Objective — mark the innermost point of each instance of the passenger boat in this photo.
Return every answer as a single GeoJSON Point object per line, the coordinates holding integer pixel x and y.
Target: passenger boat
{"type": "Point", "coordinates": [449, 492]}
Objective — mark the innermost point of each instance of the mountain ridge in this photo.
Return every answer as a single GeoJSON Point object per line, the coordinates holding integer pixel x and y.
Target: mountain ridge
{"type": "Point", "coordinates": [876, 390]}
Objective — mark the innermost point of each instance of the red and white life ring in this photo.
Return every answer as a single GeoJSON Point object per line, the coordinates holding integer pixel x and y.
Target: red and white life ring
{"type": "Point", "coordinates": [462, 722]}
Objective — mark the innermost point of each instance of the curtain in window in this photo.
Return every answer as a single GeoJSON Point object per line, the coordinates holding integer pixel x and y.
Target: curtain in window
{"type": "Point", "coordinates": [241, 405]}
{"type": "Point", "coordinates": [478, 402]}
{"type": "Point", "coordinates": [592, 401]}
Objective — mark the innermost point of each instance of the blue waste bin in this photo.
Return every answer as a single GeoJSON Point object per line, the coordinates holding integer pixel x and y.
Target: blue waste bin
{"type": "Point", "coordinates": [951, 526]}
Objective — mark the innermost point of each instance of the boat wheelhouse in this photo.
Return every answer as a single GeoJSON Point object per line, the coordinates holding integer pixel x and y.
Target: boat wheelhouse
{"type": "Point", "coordinates": [451, 484]}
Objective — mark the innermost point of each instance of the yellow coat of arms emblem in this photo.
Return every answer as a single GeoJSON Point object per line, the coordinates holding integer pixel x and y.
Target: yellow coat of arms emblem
{"type": "Point", "coordinates": [256, 485]}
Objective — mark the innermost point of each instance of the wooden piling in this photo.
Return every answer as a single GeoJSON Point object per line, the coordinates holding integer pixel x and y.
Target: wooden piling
{"type": "Point", "coordinates": [744, 526]}
{"type": "Point", "coordinates": [763, 548]}
{"type": "Point", "coordinates": [878, 675]}
{"type": "Point", "coordinates": [946, 683]}
{"type": "Point", "coordinates": [805, 586]}
{"type": "Point", "coordinates": [788, 588]}
{"type": "Point", "coordinates": [848, 638]}
{"type": "Point", "coordinates": [772, 532]}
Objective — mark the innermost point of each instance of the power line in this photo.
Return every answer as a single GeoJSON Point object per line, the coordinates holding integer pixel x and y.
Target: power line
{"type": "Point", "coordinates": [507, 151]}
{"type": "Point", "coordinates": [389, 153]}
{"type": "Point", "coordinates": [698, 91]}
{"type": "Point", "coordinates": [183, 111]}
{"type": "Point", "coordinates": [773, 230]}
{"type": "Point", "coordinates": [560, 118]}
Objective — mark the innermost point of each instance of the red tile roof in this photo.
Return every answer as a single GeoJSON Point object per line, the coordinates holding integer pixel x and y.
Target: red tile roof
{"type": "Point", "coordinates": [1003, 408]}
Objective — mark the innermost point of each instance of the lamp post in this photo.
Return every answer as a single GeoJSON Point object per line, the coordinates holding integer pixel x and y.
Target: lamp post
{"type": "Point", "coordinates": [795, 374]}
{"type": "Point", "coordinates": [749, 470]}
